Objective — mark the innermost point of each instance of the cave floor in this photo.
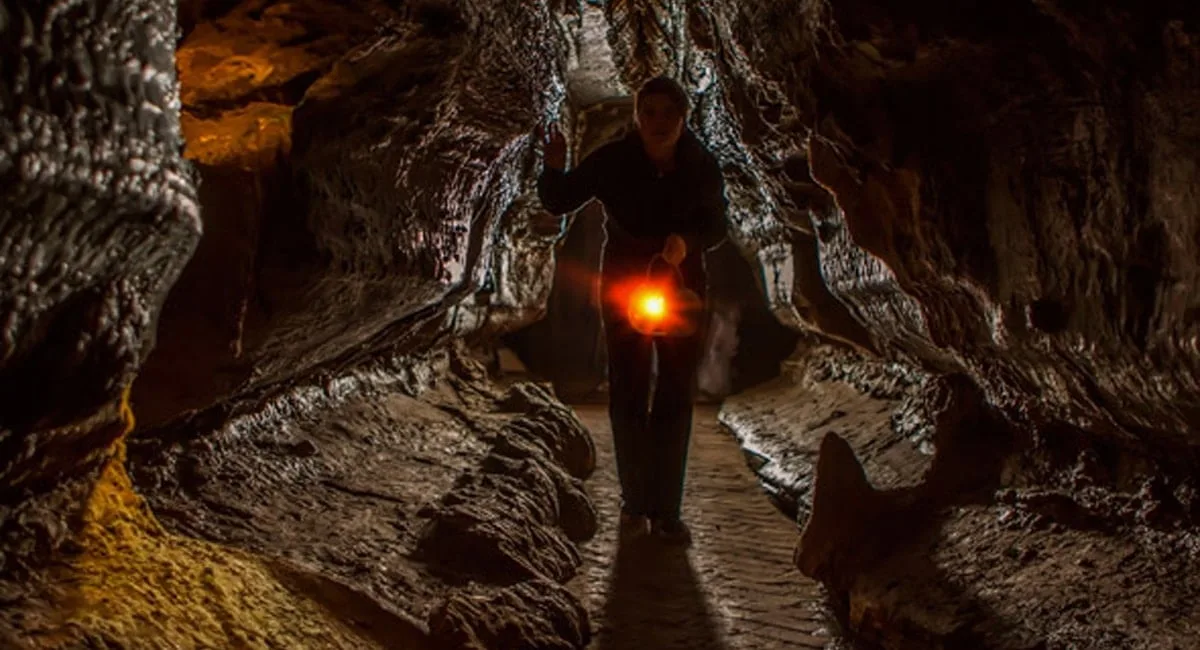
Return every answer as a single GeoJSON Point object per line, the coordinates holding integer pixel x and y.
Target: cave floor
{"type": "Point", "coordinates": [735, 587]}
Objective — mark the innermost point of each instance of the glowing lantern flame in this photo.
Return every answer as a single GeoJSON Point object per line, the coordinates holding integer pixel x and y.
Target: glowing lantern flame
{"type": "Point", "coordinates": [660, 307]}
{"type": "Point", "coordinates": [654, 305]}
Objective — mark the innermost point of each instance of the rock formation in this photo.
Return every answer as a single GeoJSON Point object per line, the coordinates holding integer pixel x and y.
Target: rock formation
{"type": "Point", "coordinates": [232, 291]}
{"type": "Point", "coordinates": [361, 176]}
{"type": "Point", "coordinates": [1000, 195]}
{"type": "Point", "coordinates": [99, 216]}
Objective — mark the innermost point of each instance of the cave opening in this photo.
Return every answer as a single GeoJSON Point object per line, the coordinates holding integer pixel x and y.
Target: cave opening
{"type": "Point", "coordinates": [258, 259]}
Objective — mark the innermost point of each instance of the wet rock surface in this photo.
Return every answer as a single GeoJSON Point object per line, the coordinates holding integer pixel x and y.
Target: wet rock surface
{"type": "Point", "coordinates": [982, 193]}
{"type": "Point", "coordinates": [408, 487]}
{"type": "Point", "coordinates": [1000, 576]}
{"type": "Point", "coordinates": [500, 619]}
{"type": "Point", "coordinates": [984, 543]}
{"type": "Point", "coordinates": [364, 169]}
{"type": "Point", "coordinates": [992, 199]}
{"type": "Point", "coordinates": [780, 425]}
{"type": "Point", "coordinates": [993, 209]}
{"type": "Point", "coordinates": [98, 214]}
{"type": "Point", "coordinates": [364, 178]}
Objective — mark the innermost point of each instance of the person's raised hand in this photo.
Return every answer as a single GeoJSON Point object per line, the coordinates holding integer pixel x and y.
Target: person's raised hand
{"type": "Point", "coordinates": [674, 250]}
{"type": "Point", "coordinates": [554, 147]}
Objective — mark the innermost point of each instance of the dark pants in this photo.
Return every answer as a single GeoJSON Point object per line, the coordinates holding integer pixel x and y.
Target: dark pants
{"type": "Point", "coordinates": [651, 439]}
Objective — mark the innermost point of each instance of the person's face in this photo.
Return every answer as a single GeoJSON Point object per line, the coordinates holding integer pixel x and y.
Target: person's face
{"type": "Point", "coordinates": [659, 121]}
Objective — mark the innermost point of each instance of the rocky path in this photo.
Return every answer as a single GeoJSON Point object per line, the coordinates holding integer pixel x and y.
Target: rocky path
{"type": "Point", "coordinates": [735, 588]}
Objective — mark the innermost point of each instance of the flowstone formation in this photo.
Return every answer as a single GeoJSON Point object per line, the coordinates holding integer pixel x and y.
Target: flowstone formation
{"type": "Point", "coordinates": [361, 177]}
{"type": "Point", "coordinates": [999, 199]}
{"type": "Point", "coordinates": [238, 241]}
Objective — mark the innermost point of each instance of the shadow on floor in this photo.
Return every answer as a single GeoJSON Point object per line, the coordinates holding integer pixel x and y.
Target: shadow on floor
{"type": "Point", "coordinates": [655, 600]}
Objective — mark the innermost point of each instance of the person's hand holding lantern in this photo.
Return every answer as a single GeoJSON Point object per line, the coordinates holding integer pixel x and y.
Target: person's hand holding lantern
{"type": "Point", "coordinates": [663, 305]}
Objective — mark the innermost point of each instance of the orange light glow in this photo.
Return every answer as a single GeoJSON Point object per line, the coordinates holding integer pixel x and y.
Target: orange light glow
{"type": "Point", "coordinates": [649, 310]}
{"type": "Point", "coordinates": [653, 305]}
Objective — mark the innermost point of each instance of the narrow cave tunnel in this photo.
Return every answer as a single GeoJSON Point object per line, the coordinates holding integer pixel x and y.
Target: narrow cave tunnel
{"type": "Point", "coordinates": [290, 359]}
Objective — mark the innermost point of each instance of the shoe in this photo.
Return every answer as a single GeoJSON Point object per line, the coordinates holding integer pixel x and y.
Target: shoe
{"type": "Point", "coordinates": [673, 531]}
{"type": "Point", "coordinates": [634, 525]}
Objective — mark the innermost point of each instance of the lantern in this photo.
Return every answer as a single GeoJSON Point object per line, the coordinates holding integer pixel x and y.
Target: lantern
{"type": "Point", "coordinates": [664, 306]}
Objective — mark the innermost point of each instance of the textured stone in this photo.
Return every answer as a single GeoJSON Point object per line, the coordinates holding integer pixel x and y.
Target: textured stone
{"type": "Point", "coordinates": [1018, 216]}
{"type": "Point", "coordinates": [1004, 198]}
{"type": "Point", "coordinates": [502, 524]}
{"type": "Point", "coordinates": [267, 51]}
{"type": "Point", "coordinates": [553, 426]}
{"type": "Point", "coordinates": [560, 431]}
{"type": "Point", "coordinates": [99, 215]}
{"type": "Point", "coordinates": [845, 509]}
{"type": "Point", "coordinates": [932, 553]}
{"type": "Point", "coordinates": [472, 539]}
{"type": "Point", "coordinates": [993, 200]}
{"type": "Point", "coordinates": [781, 425]}
{"type": "Point", "coordinates": [367, 174]}
{"type": "Point", "coordinates": [409, 496]}
{"type": "Point", "coordinates": [403, 209]}
{"type": "Point", "coordinates": [538, 615]}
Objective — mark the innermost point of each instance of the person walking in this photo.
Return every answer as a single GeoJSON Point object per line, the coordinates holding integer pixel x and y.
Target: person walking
{"type": "Point", "coordinates": [664, 197]}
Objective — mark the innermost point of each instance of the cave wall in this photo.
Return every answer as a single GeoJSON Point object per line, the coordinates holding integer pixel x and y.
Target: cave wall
{"type": "Point", "coordinates": [1007, 190]}
{"type": "Point", "coordinates": [366, 174]}
{"type": "Point", "coordinates": [98, 214]}
{"type": "Point", "coordinates": [355, 185]}
{"type": "Point", "coordinates": [1033, 207]}
{"type": "Point", "coordinates": [361, 176]}
{"type": "Point", "coordinates": [1003, 190]}
{"type": "Point", "coordinates": [1002, 196]}
{"type": "Point", "coordinates": [566, 346]}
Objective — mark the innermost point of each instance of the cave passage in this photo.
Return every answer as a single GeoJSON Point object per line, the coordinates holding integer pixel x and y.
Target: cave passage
{"type": "Point", "coordinates": [289, 358]}
{"type": "Point", "coordinates": [734, 588]}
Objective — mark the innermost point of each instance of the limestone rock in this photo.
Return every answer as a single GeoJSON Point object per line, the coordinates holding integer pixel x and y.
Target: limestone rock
{"type": "Point", "coordinates": [99, 215]}
{"type": "Point", "coordinates": [538, 615]}
{"type": "Point", "coordinates": [335, 142]}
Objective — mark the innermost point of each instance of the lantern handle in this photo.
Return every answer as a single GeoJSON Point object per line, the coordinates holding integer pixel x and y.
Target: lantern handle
{"type": "Point", "coordinates": [659, 256]}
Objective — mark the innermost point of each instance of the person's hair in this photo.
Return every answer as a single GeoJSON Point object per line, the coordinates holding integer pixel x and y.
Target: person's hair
{"type": "Point", "coordinates": [667, 87]}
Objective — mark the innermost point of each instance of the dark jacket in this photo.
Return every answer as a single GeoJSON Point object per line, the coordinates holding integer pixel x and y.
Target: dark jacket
{"type": "Point", "coordinates": [644, 207]}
